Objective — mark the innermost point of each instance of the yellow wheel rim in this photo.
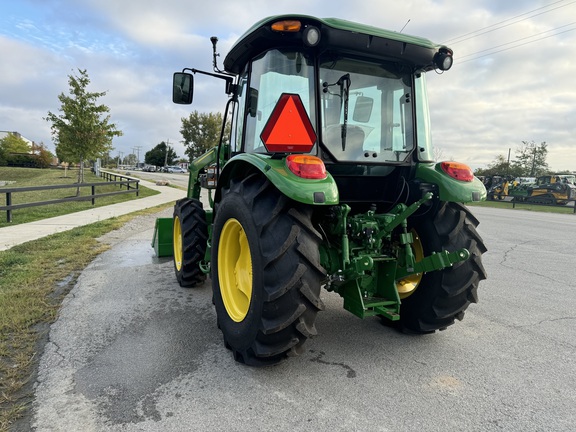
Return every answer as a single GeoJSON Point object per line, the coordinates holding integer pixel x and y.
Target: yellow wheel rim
{"type": "Point", "coordinates": [235, 270]}
{"type": "Point", "coordinates": [408, 285]}
{"type": "Point", "coordinates": [177, 241]}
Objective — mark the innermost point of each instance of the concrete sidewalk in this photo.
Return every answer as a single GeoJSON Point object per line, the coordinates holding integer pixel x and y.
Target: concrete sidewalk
{"type": "Point", "coordinates": [22, 233]}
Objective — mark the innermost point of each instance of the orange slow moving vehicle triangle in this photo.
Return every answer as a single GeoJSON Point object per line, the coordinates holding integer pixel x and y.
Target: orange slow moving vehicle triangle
{"type": "Point", "coordinates": [289, 129]}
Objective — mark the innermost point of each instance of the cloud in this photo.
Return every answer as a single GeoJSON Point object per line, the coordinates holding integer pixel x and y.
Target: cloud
{"type": "Point", "coordinates": [486, 104]}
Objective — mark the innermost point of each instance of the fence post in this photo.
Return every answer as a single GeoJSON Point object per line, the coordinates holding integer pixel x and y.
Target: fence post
{"type": "Point", "coordinates": [93, 194]}
{"type": "Point", "coordinates": [138, 192]}
{"type": "Point", "coordinates": [9, 203]}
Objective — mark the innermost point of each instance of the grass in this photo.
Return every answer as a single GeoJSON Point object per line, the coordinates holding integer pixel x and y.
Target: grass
{"type": "Point", "coordinates": [526, 207]}
{"type": "Point", "coordinates": [47, 177]}
{"type": "Point", "coordinates": [34, 278]}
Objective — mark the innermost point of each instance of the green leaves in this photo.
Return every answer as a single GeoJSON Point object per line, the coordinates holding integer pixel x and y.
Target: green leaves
{"type": "Point", "coordinates": [201, 132]}
{"type": "Point", "coordinates": [531, 158]}
{"type": "Point", "coordinates": [158, 157]}
{"type": "Point", "coordinates": [14, 144]}
{"type": "Point", "coordinates": [530, 161]}
{"type": "Point", "coordinates": [83, 130]}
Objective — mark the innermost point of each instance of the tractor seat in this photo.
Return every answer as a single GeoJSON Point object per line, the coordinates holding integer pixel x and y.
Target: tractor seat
{"type": "Point", "coordinates": [355, 136]}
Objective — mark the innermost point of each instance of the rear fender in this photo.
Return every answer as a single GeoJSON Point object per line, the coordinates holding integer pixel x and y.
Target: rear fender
{"type": "Point", "coordinates": [450, 189]}
{"type": "Point", "coordinates": [307, 191]}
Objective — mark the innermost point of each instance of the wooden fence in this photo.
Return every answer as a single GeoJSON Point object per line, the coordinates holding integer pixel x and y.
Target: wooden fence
{"type": "Point", "coordinates": [132, 186]}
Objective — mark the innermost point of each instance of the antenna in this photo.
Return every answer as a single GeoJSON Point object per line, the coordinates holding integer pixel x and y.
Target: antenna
{"type": "Point", "coordinates": [402, 29]}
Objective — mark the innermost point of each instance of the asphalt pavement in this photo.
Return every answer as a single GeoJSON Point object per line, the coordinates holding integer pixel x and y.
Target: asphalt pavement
{"type": "Point", "coordinates": [133, 351]}
{"type": "Point", "coordinates": [13, 235]}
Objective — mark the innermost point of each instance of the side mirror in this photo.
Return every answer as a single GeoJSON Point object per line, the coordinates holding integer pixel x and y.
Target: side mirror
{"type": "Point", "coordinates": [363, 109]}
{"type": "Point", "coordinates": [182, 88]}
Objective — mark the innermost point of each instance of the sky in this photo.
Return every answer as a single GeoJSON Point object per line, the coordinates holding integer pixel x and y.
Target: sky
{"type": "Point", "coordinates": [512, 79]}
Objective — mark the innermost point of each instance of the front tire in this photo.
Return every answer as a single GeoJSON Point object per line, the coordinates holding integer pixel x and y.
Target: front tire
{"type": "Point", "coordinates": [442, 296]}
{"type": "Point", "coordinates": [265, 272]}
{"type": "Point", "coordinates": [190, 237]}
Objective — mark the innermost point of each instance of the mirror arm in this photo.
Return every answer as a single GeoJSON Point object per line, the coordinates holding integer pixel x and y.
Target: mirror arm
{"type": "Point", "coordinates": [230, 87]}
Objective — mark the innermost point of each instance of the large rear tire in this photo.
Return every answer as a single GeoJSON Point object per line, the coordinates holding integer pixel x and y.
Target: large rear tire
{"type": "Point", "coordinates": [265, 272]}
{"type": "Point", "coordinates": [442, 296]}
{"type": "Point", "coordinates": [190, 238]}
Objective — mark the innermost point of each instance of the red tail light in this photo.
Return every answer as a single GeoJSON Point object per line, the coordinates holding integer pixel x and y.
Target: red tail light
{"type": "Point", "coordinates": [305, 166]}
{"type": "Point", "coordinates": [458, 171]}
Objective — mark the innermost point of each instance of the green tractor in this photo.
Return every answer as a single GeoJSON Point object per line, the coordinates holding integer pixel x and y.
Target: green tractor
{"type": "Point", "coordinates": [327, 180]}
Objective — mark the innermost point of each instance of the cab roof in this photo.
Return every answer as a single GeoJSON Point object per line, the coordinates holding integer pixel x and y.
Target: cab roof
{"type": "Point", "coordinates": [337, 35]}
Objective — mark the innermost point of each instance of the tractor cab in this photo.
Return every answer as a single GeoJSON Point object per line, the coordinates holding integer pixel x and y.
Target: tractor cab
{"type": "Point", "coordinates": [361, 90]}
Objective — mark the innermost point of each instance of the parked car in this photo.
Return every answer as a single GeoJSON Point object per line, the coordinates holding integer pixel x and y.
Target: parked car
{"type": "Point", "coordinates": [173, 169]}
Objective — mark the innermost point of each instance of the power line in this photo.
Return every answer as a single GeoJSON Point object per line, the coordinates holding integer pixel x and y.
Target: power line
{"type": "Point", "coordinates": [137, 149]}
{"type": "Point", "coordinates": [494, 27]}
{"type": "Point", "coordinates": [524, 38]}
{"type": "Point", "coordinates": [515, 43]}
{"type": "Point", "coordinates": [516, 46]}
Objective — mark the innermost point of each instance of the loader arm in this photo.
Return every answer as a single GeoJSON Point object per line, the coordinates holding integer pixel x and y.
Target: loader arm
{"type": "Point", "coordinates": [196, 166]}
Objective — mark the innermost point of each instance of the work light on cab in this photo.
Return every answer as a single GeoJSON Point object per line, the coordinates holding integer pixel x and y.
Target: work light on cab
{"type": "Point", "coordinates": [306, 166]}
{"type": "Point", "coordinates": [458, 171]}
{"type": "Point", "coordinates": [311, 36]}
{"type": "Point", "coordinates": [443, 59]}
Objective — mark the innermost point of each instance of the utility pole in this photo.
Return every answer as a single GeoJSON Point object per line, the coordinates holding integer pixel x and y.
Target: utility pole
{"type": "Point", "coordinates": [166, 154]}
{"type": "Point", "coordinates": [137, 151]}
{"type": "Point", "coordinates": [120, 154]}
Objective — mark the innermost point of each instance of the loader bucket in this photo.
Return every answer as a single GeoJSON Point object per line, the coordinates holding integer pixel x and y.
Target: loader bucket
{"type": "Point", "coordinates": [162, 241]}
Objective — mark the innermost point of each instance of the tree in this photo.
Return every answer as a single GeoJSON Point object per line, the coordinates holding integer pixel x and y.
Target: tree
{"type": "Point", "coordinates": [43, 156]}
{"type": "Point", "coordinates": [16, 151]}
{"type": "Point", "coordinates": [438, 154]}
{"type": "Point", "coordinates": [161, 155]}
{"type": "Point", "coordinates": [499, 166]}
{"type": "Point", "coordinates": [201, 132]}
{"type": "Point", "coordinates": [12, 143]}
{"type": "Point", "coordinates": [531, 159]}
{"type": "Point", "coordinates": [131, 160]}
{"type": "Point", "coordinates": [83, 131]}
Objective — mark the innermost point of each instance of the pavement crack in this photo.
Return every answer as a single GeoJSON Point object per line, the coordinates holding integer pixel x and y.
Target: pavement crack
{"type": "Point", "coordinates": [57, 352]}
{"type": "Point", "coordinates": [350, 373]}
{"type": "Point", "coordinates": [508, 252]}
{"type": "Point", "coordinates": [547, 320]}
{"type": "Point", "coordinates": [512, 249]}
